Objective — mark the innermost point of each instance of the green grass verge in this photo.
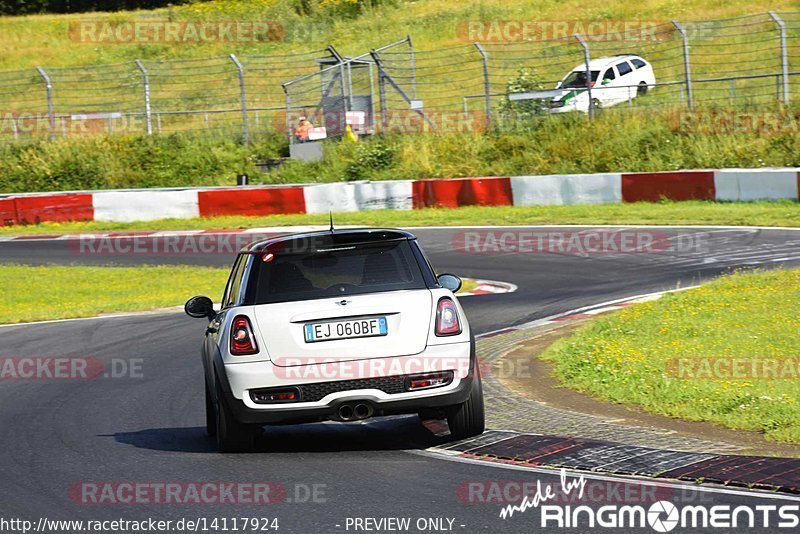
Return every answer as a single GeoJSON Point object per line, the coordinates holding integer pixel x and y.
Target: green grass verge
{"type": "Point", "coordinates": [55, 292]}
{"type": "Point", "coordinates": [65, 292]}
{"type": "Point", "coordinates": [634, 356]}
{"type": "Point", "coordinates": [783, 213]}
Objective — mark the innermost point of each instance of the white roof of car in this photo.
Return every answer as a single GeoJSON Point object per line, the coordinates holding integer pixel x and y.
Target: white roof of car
{"type": "Point", "coordinates": [604, 62]}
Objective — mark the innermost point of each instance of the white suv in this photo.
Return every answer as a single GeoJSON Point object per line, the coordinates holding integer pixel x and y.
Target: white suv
{"type": "Point", "coordinates": [622, 78]}
{"type": "Point", "coordinates": [341, 325]}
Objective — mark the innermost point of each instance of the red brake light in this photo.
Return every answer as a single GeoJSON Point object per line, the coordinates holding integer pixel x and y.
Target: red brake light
{"type": "Point", "coordinates": [242, 340]}
{"type": "Point", "coordinates": [447, 323]}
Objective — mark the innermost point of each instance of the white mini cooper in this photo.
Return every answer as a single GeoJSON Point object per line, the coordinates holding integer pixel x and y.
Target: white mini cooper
{"type": "Point", "coordinates": [341, 325]}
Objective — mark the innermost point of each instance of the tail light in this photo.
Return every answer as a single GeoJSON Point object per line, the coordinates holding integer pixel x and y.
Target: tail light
{"type": "Point", "coordinates": [428, 381]}
{"type": "Point", "coordinates": [268, 396]}
{"type": "Point", "coordinates": [242, 340]}
{"type": "Point", "coordinates": [447, 323]}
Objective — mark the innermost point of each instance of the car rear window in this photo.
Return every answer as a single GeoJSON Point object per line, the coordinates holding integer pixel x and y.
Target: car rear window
{"type": "Point", "coordinates": [638, 63]}
{"type": "Point", "coordinates": [336, 271]}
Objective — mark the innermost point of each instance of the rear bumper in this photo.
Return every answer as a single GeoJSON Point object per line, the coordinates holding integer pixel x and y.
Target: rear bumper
{"type": "Point", "coordinates": [238, 380]}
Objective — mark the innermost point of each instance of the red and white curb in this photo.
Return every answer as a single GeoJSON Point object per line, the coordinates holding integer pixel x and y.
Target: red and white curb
{"type": "Point", "coordinates": [488, 287]}
{"type": "Point", "coordinates": [562, 189]}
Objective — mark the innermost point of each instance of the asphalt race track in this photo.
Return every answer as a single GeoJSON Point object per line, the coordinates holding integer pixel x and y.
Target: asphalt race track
{"type": "Point", "coordinates": [147, 426]}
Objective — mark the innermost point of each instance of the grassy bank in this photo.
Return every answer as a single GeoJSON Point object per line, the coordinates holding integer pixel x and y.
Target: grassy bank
{"type": "Point", "coordinates": [56, 292]}
{"type": "Point", "coordinates": [784, 213]}
{"type": "Point", "coordinates": [559, 144]}
{"type": "Point", "coordinates": [354, 27]}
{"type": "Point", "coordinates": [675, 356]}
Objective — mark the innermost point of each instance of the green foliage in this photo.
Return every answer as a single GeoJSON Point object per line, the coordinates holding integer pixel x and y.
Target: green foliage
{"type": "Point", "coordinates": [22, 7]}
{"type": "Point", "coordinates": [369, 157]}
{"type": "Point", "coordinates": [526, 80]}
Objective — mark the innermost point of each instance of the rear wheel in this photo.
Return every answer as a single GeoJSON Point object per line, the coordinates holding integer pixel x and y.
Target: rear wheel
{"type": "Point", "coordinates": [468, 419]}
{"type": "Point", "coordinates": [642, 89]}
{"type": "Point", "coordinates": [232, 436]}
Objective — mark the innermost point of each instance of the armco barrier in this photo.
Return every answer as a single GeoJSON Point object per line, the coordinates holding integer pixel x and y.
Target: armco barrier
{"type": "Point", "coordinates": [150, 204]}
{"type": "Point", "coordinates": [357, 196]}
{"type": "Point", "coordinates": [566, 189]}
{"type": "Point", "coordinates": [456, 192]}
{"type": "Point", "coordinates": [34, 209]}
{"type": "Point", "coordinates": [54, 208]}
{"type": "Point", "coordinates": [127, 206]}
{"type": "Point", "coordinates": [677, 185]}
{"type": "Point", "coordinates": [749, 184]}
{"type": "Point", "coordinates": [251, 201]}
{"type": "Point", "coordinates": [8, 212]}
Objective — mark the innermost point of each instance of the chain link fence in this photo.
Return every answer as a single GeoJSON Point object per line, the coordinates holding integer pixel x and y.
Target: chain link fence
{"type": "Point", "coordinates": [740, 63]}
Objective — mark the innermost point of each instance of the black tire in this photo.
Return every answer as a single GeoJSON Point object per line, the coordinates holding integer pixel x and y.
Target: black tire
{"type": "Point", "coordinates": [468, 419]}
{"type": "Point", "coordinates": [211, 414]}
{"type": "Point", "coordinates": [232, 436]}
{"type": "Point", "coordinates": [642, 89]}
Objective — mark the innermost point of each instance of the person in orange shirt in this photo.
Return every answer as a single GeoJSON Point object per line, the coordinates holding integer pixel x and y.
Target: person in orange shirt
{"type": "Point", "coordinates": [301, 132]}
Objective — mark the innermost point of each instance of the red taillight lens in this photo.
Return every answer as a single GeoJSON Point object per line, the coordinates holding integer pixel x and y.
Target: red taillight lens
{"type": "Point", "coordinates": [447, 323]}
{"type": "Point", "coordinates": [428, 381]}
{"type": "Point", "coordinates": [242, 341]}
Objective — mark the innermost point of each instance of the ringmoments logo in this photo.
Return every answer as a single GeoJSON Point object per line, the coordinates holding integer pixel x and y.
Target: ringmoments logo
{"type": "Point", "coordinates": [660, 516]}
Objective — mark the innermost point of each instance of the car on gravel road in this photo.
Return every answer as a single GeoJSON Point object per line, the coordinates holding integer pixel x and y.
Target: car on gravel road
{"type": "Point", "coordinates": [337, 325]}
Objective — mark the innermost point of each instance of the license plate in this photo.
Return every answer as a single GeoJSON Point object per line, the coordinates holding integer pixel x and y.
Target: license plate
{"type": "Point", "coordinates": [352, 328]}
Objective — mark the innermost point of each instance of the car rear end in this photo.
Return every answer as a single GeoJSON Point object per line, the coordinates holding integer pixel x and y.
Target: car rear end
{"type": "Point", "coordinates": [343, 325]}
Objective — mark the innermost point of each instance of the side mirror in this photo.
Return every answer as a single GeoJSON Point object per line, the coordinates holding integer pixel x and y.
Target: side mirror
{"type": "Point", "coordinates": [199, 307]}
{"type": "Point", "coordinates": [449, 281]}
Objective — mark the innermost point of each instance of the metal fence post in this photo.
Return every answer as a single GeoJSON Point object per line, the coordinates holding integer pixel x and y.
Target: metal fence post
{"type": "Point", "coordinates": [412, 64]}
{"type": "Point", "coordinates": [784, 58]}
{"type": "Point", "coordinates": [347, 103]}
{"type": "Point", "coordinates": [486, 86]}
{"type": "Point", "coordinates": [686, 66]}
{"type": "Point", "coordinates": [587, 59]}
{"type": "Point", "coordinates": [371, 98]}
{"type": "Point", "coordinates": [147, 112]}
{"type": "Point", "coordinates": [243, 97]}
{"type": "Point", "coordinates": [48, 87]}
{"type": "Point", "coordinates": [381, 89]}
{"type": "Point", "coordinates": [288, 101]}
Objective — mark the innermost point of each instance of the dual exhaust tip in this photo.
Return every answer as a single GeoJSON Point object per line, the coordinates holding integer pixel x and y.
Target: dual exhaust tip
{"type": "Point", "coordinates": [354, 412]}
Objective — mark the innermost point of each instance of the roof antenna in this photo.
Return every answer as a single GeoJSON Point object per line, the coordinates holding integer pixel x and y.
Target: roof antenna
{"type": "Point", "coordinates": [330, 214]}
